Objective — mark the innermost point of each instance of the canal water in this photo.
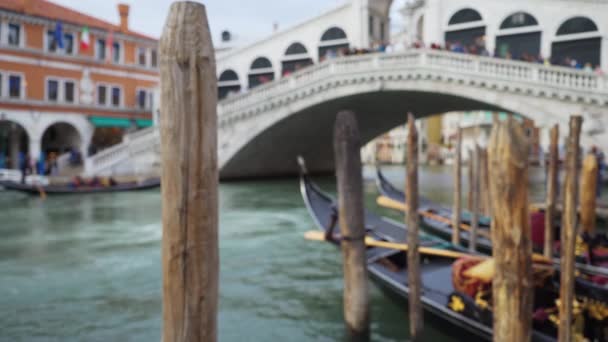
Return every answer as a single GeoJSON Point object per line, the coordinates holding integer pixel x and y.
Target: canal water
{"type": "Point", "coordinates": [87, 268]}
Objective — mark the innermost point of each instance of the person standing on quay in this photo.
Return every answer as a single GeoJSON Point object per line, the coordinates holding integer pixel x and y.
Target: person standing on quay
{"type": "Point", "coordinates": [26, 167]}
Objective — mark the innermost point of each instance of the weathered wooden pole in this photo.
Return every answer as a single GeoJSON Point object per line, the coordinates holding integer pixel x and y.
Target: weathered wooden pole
{"type": "Point", "coordinates": [485, 183]}
{"type": "Point", "coordinates": [413, 255]}
{"type": "Point", "coordinates": [569, 231]}
{"type": "Point", "coordinates": [189, 176]}
{"type": "Point", "coordinates": [552, 182]}
{"type": "Point", "coordinates": [457, 212]}
{"type": "Point", "coordinates": [471, 180]}
{"type": "Point", "coordinates": [589, 194]}
{"type": "Point", "coordinates": [512, 287]}
{"type": "Point", "coordinates": [475, 165]}
{"type": "Point", "coordinates": [347, 146]}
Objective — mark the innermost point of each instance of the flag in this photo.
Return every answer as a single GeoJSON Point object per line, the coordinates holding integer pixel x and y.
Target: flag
{"type": "Point", "coordinates": [109, 45]}
{"type": "Point", "coordinates": [85, 39]}
{"type": "Point", "coordinates": [58, 38]}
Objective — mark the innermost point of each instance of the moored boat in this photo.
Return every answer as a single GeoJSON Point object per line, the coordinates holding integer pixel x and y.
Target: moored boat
{"type": "Point", "coordinates": [437, 220]}
{"type": "Point", "coordinates": [439, 295]}
{"type": "Point", "coordinates": [82, 189]}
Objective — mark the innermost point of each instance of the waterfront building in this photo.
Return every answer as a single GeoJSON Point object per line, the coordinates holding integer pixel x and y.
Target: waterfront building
{"type": "Point", "coordinates": [571, 32]}
{"type": "Point", "coordinates": [70, 81]}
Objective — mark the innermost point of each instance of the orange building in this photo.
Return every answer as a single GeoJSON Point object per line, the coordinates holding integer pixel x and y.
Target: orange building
{"type": "Point", "coordinates": [57, 93]}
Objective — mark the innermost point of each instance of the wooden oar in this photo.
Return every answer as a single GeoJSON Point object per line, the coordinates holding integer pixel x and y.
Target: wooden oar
{"type": "Point", "coordinates": [396, 205]}
{"type": "Point", "coordinates": [484, 270]}
{"type": "Point", "coordinates": [315, 235]}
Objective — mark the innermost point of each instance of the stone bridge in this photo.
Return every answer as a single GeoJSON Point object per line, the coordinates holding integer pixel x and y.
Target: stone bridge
{"type": "Point", "coordinates": [261, 132]}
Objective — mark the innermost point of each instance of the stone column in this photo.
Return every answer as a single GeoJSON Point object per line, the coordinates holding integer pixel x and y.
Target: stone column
{"type": "Point", "coordinates": [35, 148]}
{"type": "Point", "coordinates": [14, 143]}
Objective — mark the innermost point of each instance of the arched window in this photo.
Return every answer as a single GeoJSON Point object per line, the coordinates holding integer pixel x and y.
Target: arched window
{"type": "Point", "coordinates": [296, 49]}
{"type": "Point", "coordinates": [334, 33]}
{"type": "Point", "coordinates": [296, 58]}
{"type": "Point", "coordinates": [523, 45]}
{"type": "Point", "coordinates": [261, 63]}
{"type": "Point", "coordinates": [466, 15]}
{"type": "Point", "coordinates": [332, 42]}
{"type": "Point", "coordinates": [261, 72]}
{"type": "Point", "coordinates": [229, 75]}
{"type": "Point", "coordinates": [577, 25]}
{"type": "Point", "coordinates": [572, 50]}
{"type": "Point", "coordinates": [519, 19]}
{"type": "Point", "coordinates": [228, 82]}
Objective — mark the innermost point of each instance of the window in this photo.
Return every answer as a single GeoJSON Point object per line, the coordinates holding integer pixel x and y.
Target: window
{"type": "Point", "coordinates": [53, 46]}
{"type": "Point", "coordinates": [141, 99]}
{"type": "Point", "coordinates": [382, 32]}
{"type": "Point", "coordinates": [371, 25]}
{"type": "Point", "coordinates": [14, 34]}
{"type": "Point", "coordinates": [116, 52]}
{"type": "Point", "coordinates": [52, 90]}
{"type": "Point", "coordinates": [141, 56]}
{"type": "Point", "coordinates": [69, 91]}
{"type": "Point", "coordinates": [68, 43]}
{"type": "Point", "coordinates": [101, 49]}
{"type": "Point", "coordinates": [154, 58]}
{"type": "Point", "coordinates": [14, 86]}
{"type": "Point", "coordinates": [101, 95]}
{"type": "Point", "coordinates": [115, 96]}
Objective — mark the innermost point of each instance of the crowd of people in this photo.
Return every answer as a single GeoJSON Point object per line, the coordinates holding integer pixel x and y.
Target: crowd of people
{"type": "Point", "coordinates": [478, 48]}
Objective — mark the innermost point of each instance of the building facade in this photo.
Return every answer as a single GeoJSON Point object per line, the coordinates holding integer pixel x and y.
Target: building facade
{"type": "Point", "coordinates": [70, 81]}
{"type": "Point", "coordinates": [557, 30]}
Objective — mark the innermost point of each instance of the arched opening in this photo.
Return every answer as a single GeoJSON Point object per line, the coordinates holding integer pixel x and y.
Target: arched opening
{"type": "Point", "coordinates": [296, 58]}
{"type": "Point", "coordinates": [523, 45]}
{"type": "Point", "coordinates": [260, 72]}
{"type": "Point", "coordinates": [228, 82]}
{"type": "Point", "coordinates": [466, 32]}
{"type": "Point", "coordinates": [61, 138]}
{"type": "Point", "coordinates": [332, 42]}
{"type": "Point", "coordinates": [578, 43]}
{"type": "Point", "coordinates": [14, 144]}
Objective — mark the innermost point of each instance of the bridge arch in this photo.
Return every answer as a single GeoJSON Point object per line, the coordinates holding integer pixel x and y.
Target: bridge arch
{"type": "Point", "coordinates": [466, 29]}
{"type": "Point", "coordinates": [332, 41]}
{"type": "Point", "coordinates": [519, 37]}
{"type": "Point", "coordinates": [305, 126]}
{"type": "Point", "coordinates": [260, 72]}
{"type": "Point", "coordinates": [296, 57]}
{"type": "Point", "coordinates": [227, 83]}
{"type": "Point", "coordinates": [577, 38]}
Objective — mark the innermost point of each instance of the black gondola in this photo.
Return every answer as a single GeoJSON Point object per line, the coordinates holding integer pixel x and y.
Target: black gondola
{"type": "Point", "coordinates": [70, 190]}
{"type": "Point", "coordinates": [436, 272]}
{"type": "Point", "coordinates": [444, 230]}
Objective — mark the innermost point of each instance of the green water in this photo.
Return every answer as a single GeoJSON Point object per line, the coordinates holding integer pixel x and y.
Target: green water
{"type": "Point", "coordinates": [87, 268]}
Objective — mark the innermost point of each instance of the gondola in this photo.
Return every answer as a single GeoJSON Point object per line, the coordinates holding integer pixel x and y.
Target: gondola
{"type": "Point", "coordinates": [443, 228]}
{"type": "Point", "coordinates": [388, 268]}
{"type": "Point", "coordinates": [70, 190]}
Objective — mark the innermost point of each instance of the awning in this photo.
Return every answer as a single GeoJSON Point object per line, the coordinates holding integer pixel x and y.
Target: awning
{"type": "Point", "coordinates": [102, 121]}
{"type": "Point", "coordinates": [143, 123]}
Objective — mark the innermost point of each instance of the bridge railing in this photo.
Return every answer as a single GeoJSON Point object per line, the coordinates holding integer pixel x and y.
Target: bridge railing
{"type": "Point", "coordinates": [132, 144]}
{"type": "Point", "coordinates": [562, 78]}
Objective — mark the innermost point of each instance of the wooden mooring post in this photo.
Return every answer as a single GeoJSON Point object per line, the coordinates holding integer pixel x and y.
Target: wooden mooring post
{"type": "Point", "coordinates": [347, 146]}
{"type": "Point", "coordinates": [471, 180]}
{"type": "Point", "coordinates": [457, 211]}
{"type": "Point", "coordinates": [189, 176]}
{"type": "Point", "coordinates": [552, 183]}
{"type": "Point", "coordinates": [589, 179]}
{"type": "Point", "coordinates": [486, 197]}
{"type": "Point", "coordinates": [512, 287]}
{"type": "Point", "coordinates": [413, 255]}
{"type": "Point", "coordinates": [476, 167]}
{"type": "Point", "coordinates": [569, 231]}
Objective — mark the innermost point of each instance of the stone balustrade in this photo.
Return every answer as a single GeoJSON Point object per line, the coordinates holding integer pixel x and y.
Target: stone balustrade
{"type": "Point", "coordinates": [563, 84]}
